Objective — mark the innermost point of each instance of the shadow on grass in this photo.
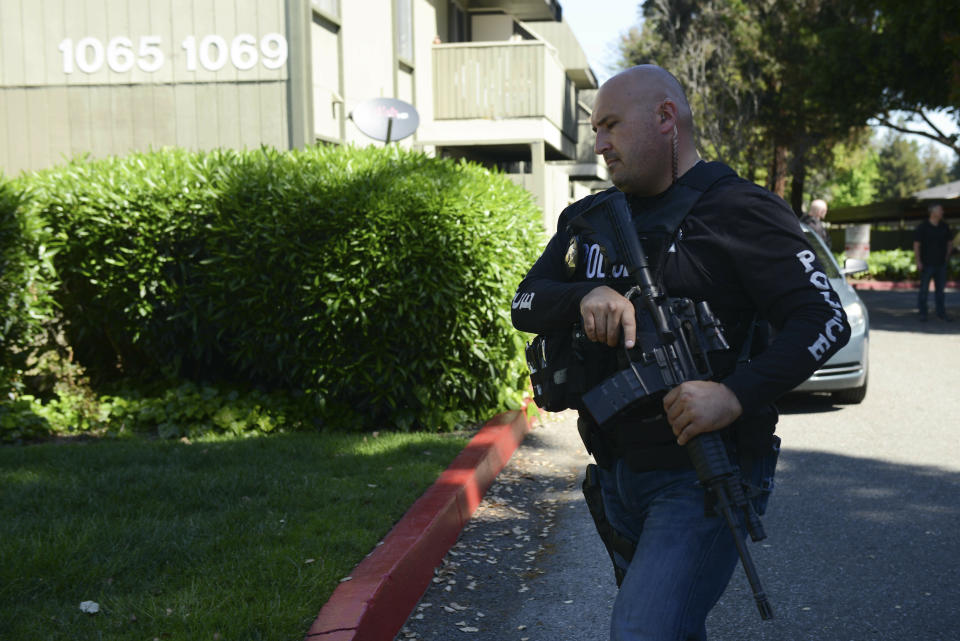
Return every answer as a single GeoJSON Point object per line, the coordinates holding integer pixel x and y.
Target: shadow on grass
{"type": "Point", "coordinates": [244, 538]}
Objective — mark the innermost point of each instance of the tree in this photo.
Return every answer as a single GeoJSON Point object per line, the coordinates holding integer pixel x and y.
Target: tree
{"type": "Point", "coordinates": [693, 41]}
{"type": "Point", "coordinates": [920, 65]}
{"type": "Point", "coordinates": [863, 171]}
{"type": "Point", "coordinates": [776, 84]}
{"type": "Point", "coordinates": [755, 70]}
{"type": "Point", "coordinates": [849, 178]}
{"type": "Point", "coordinates": [936, 171]}
{"type": "Point", "coordinates": [900, 169]}
{"type": "Point", "coordinates": [916, 117]}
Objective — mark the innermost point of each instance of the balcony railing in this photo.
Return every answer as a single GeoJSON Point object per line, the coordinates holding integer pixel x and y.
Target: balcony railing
{"type": "Point", "coordinates": [503, 80]}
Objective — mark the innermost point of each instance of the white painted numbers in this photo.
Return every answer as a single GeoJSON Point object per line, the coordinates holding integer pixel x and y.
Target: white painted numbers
{"type": "Point", "coordinates": [89, 54]}
{"type": "Point", "coordinates": [211, 52]}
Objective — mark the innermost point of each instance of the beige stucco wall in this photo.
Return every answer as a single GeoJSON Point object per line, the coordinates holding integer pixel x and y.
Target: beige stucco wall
{"type": "Point", "coordinates": [368, 46]}
{"type": "Point", "coordinates": [107, 77]}
{"type": "Point", "coordinates": [111, 76]}
{"type": "Point", "coordinates": [371, 68]}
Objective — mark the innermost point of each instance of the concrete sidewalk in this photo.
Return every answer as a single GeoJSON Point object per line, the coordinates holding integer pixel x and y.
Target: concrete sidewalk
{"type": "Point", "coordinates": [529, 565]}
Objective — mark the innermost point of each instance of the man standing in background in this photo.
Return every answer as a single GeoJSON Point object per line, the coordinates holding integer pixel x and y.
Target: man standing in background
{"type": "Point", "coordinates": [814, 220]}
{"type": "Point", "coordinates": [932, 243]}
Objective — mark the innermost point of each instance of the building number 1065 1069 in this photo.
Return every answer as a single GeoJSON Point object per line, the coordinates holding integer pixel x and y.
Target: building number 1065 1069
{"type": "Point", "coordinates": [212, 52]}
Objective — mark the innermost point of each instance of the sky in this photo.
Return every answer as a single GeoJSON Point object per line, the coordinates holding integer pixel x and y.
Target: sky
{"type": "Point", "coordinates": [598, 25]}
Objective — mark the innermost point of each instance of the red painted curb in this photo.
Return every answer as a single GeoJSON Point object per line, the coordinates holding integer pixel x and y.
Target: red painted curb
{"type": "Point", "coordinates": [888, 285]}
{"type": "Point", "coordinates": [375, 603]}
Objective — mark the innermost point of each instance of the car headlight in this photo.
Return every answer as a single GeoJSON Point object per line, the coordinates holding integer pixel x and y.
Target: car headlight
{"type": "Point", "coordinates": [856, 317]}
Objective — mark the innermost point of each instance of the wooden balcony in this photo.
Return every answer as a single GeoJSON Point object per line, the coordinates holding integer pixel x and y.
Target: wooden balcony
{"type": "Point", "coordinates": [489, 93]}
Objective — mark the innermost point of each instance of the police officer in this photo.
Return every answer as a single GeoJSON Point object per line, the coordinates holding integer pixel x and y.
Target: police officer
{"type": "Point", "coordinates": [742, 250]}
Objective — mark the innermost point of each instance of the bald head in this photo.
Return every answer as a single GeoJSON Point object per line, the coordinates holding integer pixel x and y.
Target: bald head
{"type": "Point", "coordinates": [653, 85]}
{"type": "Point", "coordinates": [935, 213]}
{"type": "Point", "coordinates": [818, 209]}
{"type": "Point", "coordinates": [644, 129]}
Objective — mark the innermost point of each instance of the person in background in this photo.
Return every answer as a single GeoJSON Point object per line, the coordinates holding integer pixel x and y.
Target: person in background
{"type": "Point", "coordinates": [932, 244]}
{"type": "Point", "coordinates": [814, 219]}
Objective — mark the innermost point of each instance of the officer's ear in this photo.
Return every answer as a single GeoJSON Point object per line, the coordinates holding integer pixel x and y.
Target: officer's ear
{"type": "Point", "coordinates": [668, 115]}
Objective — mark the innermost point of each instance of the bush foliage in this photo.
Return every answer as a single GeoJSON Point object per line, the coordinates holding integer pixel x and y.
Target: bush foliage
{"type": "Point", "coordinates": [899, 265]}
{"type": "Point", "coordinates": [26, 282]}
{"type": "Point", "coordinates": [374, 283]}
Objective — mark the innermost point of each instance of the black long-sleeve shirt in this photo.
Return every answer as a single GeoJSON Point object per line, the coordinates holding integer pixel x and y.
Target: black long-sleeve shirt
{"type": "Point", "coordinates": [742, 250]}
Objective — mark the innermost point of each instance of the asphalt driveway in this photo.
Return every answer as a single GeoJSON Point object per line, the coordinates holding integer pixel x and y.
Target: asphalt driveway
{"type": "Point", "coordinates": [863, 530]}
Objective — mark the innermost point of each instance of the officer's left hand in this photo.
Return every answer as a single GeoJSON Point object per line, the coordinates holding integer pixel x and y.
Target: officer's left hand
{"type": "Point", "coordinates": [700, 406]}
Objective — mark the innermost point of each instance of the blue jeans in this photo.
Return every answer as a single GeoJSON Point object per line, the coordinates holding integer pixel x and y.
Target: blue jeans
{"type": "Point", "coordinates": [683, 559]}
{"type": "Point", "coordinates": [939, 276]}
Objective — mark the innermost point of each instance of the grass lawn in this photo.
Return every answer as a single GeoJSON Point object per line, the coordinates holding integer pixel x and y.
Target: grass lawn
{"type": "Point", "coordinates": [219, 539]}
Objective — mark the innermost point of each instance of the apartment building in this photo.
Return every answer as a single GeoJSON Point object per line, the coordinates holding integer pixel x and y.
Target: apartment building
{"type": "Point", "coordinates": [500, 82]}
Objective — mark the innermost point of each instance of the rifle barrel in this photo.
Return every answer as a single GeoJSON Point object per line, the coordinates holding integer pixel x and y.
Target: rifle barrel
{"type": "Point", "coordinates": [723, 504]}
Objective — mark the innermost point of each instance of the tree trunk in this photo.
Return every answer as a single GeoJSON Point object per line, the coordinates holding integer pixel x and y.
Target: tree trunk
{"type": "Point", "coordinates": [799, 176]}
{"type": "Point", "coordinates": [751, 159]}
{"type": "Point", "coordinates": [777, 180]}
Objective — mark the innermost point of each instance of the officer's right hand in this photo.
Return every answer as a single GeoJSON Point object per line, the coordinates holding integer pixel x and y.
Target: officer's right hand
{"type": "Point", "coordinates": [604, 312]}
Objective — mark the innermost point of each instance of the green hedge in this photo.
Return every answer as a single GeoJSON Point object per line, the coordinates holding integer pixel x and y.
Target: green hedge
{"type": "Point", "coordinates": [898, 265]}
{"type": "Point", "coordinates": [26, 280]}
{"type": "Point", "coordinates": [376, 282]}
{"type": "Point", "coordinates": [128, 234]}
{"type": "Point", "coordinates": [392, 275]}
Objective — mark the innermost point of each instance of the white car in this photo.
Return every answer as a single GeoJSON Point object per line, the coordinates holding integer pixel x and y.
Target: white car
{"type": "Point", "coordinates": [845, 374]}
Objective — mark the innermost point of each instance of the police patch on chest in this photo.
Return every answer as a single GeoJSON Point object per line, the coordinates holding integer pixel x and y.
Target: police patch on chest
{"type": "Point", "coordinates": [597, 266]}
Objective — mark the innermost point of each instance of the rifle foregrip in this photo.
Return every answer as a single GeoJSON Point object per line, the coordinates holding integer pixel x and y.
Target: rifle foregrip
{"type": "Point", "coordinates": [717, 474]}
{"type": "Point", "coordinates": [709, 457]}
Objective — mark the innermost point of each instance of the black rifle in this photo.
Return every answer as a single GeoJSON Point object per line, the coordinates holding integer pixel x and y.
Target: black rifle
{"type": "Point", "coordinates": [674, 337]}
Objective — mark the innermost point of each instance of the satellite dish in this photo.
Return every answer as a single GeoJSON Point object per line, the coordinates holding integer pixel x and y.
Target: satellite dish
{"type": "Point", "coordinates": [385, 119]}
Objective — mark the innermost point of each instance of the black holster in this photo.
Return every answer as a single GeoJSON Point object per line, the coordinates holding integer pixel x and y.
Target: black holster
{"type": "Point", "coordinates": [599, 447]}
{"type": "Point", "coordinates": [612, 540]}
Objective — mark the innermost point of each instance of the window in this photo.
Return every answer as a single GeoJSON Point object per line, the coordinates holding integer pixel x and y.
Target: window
{"type": "Point", "coordinates": [330, 7]}
{"type": "Point", "coordinates": [327, 101]}
{"type": "Point", "coordinates": [825, 258]}
{"type": "Point", "coordinates": [403, 23]}
{"type": "Point", "coordinates": [458, 26]}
